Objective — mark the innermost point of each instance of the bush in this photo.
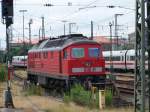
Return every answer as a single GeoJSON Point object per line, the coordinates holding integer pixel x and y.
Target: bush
{"type": "Point", "coordinates": [82, 97]}
{"type": "Point", "coordinates": [3, 74]}
{"type": "Point", "coordinates": [79, 95]}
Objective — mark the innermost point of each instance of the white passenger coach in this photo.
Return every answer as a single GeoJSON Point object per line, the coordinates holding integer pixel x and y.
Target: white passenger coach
{"type": "Point", "coordinates": [123, 59]}
{"type": "Point", "coordinates": [19, 61]}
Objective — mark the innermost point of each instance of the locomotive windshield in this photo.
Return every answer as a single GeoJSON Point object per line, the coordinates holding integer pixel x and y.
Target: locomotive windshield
{"type": "Point", "coordinates": [77, 52]}
{"type": "Point", "coordinates": [94, 52]}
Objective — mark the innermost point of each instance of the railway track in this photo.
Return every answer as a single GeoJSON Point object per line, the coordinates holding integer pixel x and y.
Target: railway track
{"type": "Point", "coordinates": [47, 92]}
{"type": "Point", "coordinates": [124, 84]}
{"type": "Point", "coordinates": [20, 79]}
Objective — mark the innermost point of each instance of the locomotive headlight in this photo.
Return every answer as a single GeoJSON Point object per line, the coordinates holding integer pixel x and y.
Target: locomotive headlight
{"type": "Point", "coordinates": [96, 69]}
{"type": "Point", "coordinates": [88, 64]}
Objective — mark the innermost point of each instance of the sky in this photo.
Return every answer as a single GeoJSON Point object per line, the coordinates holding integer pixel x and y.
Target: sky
{"type": "Point", "coordinates": [80, 12]}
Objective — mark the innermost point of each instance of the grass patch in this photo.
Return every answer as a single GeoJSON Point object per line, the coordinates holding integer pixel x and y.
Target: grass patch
{"type": "Point", "coordinates": [3, 73]}
{"type": "Point", "coordinates": [108, 98]}
{"type": "Point", "coordinates": [81, 96]}
{"type": "Point", "coordinates": [66, 99]}
{"type": "Point", "coordinates": [48, 110]}
{"type": "Point", "coordinates": [86, 98]}
{"type": "Point", "coordinates": [33, 90]}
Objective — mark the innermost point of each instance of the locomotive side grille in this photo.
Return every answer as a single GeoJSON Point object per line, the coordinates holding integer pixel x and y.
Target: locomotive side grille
{"type": "Point", "coordinates": [75, 70]}
{"type": "Point", "coordinates": [90, 69]}
{"type": "Point", "coordinates": [96, 69]}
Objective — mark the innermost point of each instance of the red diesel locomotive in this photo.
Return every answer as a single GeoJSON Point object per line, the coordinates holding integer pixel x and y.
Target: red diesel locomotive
{"type": "Point", "coordinates": [65, 60]}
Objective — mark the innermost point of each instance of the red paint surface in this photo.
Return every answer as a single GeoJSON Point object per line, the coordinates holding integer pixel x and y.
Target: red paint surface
{"type": "Point", "coordinates": [56, 64]}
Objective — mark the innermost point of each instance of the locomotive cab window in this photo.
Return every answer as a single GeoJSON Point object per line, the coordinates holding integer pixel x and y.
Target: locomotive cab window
{"type": "Point", "coordinates": [77, 52]}
{"type": "Point", "coordinates": [94, 52]}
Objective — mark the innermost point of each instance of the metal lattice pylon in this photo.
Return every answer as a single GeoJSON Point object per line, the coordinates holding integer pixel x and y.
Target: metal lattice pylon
{"type": "Point", "coordinates": [148, 49]}
{"type": "Point", "coordinates": [141, 91]}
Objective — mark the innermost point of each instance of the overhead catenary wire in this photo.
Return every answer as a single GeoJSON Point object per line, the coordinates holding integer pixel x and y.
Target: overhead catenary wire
{"type": "Point", "coordinates": [68, 17]}
{"type": "Point", "coordinates": [70, 4]}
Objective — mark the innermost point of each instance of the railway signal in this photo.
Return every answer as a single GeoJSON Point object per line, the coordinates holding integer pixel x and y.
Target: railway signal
{"type": "Point", "coordinates": [7, 10]}
{"type": "Point", "coordinates": [7, 17]}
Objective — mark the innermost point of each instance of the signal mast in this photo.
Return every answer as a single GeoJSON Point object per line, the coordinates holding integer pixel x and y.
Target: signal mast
{"type": "Point", "coordinates": [7, 18]}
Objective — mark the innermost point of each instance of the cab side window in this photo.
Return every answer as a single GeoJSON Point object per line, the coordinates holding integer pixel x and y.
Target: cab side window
{"type": "Point", "coordinates": [65, 55]}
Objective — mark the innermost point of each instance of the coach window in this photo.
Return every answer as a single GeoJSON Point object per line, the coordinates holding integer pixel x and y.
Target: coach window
{"type": "Point", "coordinates": [94, 52]}
{"type": "Point", "coordinates": [77, 52]}
{"type": "Point", "coordinates": [24, 59]}
{"type": "Point", "coordinates": [128, 58]}
{"type": "Point", "coordinates": [107, 58]}
{"type": "Point", "coordinates": [122, 58]}
{"type": "Point", "coordinates": [132, 58]}
{"type": "Point", "coordinates": [146, 58]}
{"type": "Point", "coordinates": [116, 58]}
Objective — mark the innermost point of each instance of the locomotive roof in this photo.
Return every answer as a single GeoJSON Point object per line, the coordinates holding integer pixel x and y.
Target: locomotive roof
{"type": "Point", "coordinates": [61, 42]}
